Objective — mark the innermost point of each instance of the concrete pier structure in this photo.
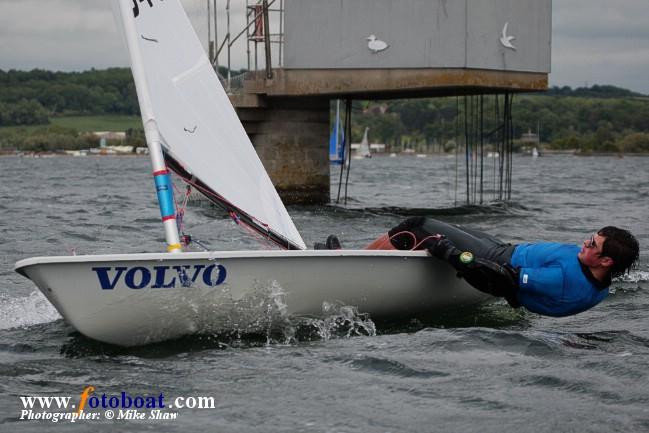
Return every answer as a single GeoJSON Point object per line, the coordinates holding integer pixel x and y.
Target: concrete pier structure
{"type": "Point", "coordinates": [381, 49]}
{"type": "Point", "coordinates": [290, 136]}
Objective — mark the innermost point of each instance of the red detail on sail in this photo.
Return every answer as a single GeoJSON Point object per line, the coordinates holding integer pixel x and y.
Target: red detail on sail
{"type": "Point", "coordinates": [160, 173]}
{"type": "Point", "coordinates": [168, 217]}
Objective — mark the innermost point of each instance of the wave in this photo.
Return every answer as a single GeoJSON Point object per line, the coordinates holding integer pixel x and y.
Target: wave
{"type": "Point", "coordinates": [26, 311]}
{"type": "Point", "coordinates": [634, 277]}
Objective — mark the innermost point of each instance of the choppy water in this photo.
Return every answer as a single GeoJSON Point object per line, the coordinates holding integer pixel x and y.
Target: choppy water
{"type": "Point", "coordinates": [489, 369]}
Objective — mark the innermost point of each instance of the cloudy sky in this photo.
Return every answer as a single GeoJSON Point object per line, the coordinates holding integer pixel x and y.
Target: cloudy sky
{"type": "Point", "coordinates": [594, 41]}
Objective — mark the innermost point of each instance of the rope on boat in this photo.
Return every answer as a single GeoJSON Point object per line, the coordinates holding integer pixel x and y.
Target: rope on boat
{"type": "Point", "coordinates": [185, 239]}
{"type": "Point", "coordinates": [416, 244]}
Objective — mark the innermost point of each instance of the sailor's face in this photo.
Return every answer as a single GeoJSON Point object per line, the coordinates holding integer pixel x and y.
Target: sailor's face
{"type": "Point", "coordinates": [591, 251]}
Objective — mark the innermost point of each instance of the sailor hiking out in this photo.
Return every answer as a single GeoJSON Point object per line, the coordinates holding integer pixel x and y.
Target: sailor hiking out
{"type": "Point", "coordinates": [547, 278]}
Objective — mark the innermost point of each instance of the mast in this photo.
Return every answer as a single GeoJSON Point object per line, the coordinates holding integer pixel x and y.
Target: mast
{"type": "Point", "coordinates": [161, 176]}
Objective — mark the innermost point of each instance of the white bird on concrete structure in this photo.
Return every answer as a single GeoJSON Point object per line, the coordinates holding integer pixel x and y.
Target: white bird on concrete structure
{"type": "Point", "coordinates": [376, 45]}
{"type": "Point", "coordinates": [507, 40]}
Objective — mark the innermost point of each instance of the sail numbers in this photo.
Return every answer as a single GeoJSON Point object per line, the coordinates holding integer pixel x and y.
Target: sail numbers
{"type": "Point", "coordinates": [136, 6]}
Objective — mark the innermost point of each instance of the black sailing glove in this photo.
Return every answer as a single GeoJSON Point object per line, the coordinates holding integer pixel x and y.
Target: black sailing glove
{"type": "Point", "coordinates": [441, 248]}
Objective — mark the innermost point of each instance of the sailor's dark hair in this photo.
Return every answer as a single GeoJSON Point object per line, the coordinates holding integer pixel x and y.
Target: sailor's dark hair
{"type": "Point", "coordinates": [622, 247]}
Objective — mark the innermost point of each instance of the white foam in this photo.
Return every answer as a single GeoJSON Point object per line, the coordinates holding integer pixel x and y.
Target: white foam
{"type": "Point", "coordinates": [342, 321]}
{"type": "Point", "coordinates": [634, 277]}
{"type": "Point", "coordinates": [25, 311]}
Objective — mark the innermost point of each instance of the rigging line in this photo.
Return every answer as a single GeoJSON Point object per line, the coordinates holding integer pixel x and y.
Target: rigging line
{"type": "Point", "coordinates": [493, 139]}
{"type": "Point", "coordinates": [481, 148]}
{"type": "Point", "coordinates": [472, 140]}
{"type": "Point", "coordinates": [457, 144]}
{"type": "Point", "coordinates": [507, 152]}
{"type": "Point", "coordinates": [503, 182]}
{"type": "Point", "coordinates": [469, 140]}
{"type": "Point", "coordinates": [180, 210]}
{"type": "Point", "coordinates": [501, 156]}
{"type": "Point", "coordinates": [348, 138]}
{"type": "Point", "coordinates": [507, 144]}
{"type": "Point", "coordinates": [505, 148]}
{"type": "Point", "coordinates": [472, 147]}
{"type": "Point", "coordinates": [264, 241]}
{"type": "Point", "coordinates": [475, 148]}
{"type": "Point", "coordinates": [245, 225]}
{"type": "Point", "coordinates": [411, 234]}
{"type": "Point", "coordinates": [466, 150]}
{"type": "Point", "coordinates": [498, 150]}
{"type": "Point", "coordinates": [224, 204]}
{"type": "Point", "coordinates": [511, 145]}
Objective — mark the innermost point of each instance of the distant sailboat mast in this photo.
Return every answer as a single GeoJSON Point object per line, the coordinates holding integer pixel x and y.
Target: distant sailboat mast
{"type": "Point", "coordinates": [161, 176]}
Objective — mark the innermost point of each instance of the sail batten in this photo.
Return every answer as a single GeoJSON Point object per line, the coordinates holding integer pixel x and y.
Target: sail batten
{"type": "Point", "coordinates": [194, 115]}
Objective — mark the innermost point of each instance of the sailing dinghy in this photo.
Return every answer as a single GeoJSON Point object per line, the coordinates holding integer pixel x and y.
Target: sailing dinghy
{"type": "Point", "coordinates": [192, 129]}
{"type": "Point", "coordinates": [364, 147]}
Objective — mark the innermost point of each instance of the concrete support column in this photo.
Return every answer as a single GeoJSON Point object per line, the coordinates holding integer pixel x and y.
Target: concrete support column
{"type": "Point", "coordinates": [291, 136]}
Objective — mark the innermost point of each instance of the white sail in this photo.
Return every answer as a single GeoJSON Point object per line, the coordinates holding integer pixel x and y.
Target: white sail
{"type": "Point", "coordinates": [197, 123]}
{"type": "Point", "coordinates": [364, 148]}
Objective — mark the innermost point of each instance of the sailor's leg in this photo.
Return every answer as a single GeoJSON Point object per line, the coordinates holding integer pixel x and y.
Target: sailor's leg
{"type": "Point", "coordinates": [496, 279]}
{"type": "Point", "coordinates": [492, 278]}
{"type": "Point", "coordinates": [414, 232]}
{"type": "Point", "coordinates": [479, 243]}
{"type": "Point", "coordinates": [481, 235]}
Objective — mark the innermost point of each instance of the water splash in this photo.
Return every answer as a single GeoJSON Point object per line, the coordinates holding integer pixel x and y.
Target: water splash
{"type": "Point", "coordinates": [264, 312]}
{"type": "Point", "coordinates": [26, 311]}
{"type": "Point", "coordinates": [634, 277]}
{"type": "Point", "coordinates": [339, 321]}
{"type": "Point", "coordinates": [277, 315]}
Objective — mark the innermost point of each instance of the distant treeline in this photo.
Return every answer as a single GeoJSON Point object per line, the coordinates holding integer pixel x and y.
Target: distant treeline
{"type": "Point", "coordinates": [51, 138]}
{"type": "Point", "coordinates": [30, 97]}
{"type": "Point", "coordinates": [596, 91]}
{"type": "Point", "coordinates": [589, 119]}
{"type": "Point", "coordinates": [609, 119]}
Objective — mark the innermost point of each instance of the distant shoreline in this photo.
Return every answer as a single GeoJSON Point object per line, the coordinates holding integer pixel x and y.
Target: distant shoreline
{"type": "Point", "coordinates": [62, 155]}
{"type": "Point", "coordinates": [22, 154]}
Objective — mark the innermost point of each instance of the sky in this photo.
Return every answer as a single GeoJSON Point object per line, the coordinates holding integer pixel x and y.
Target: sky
{"type": "Point", "coordinates": [593, 41]}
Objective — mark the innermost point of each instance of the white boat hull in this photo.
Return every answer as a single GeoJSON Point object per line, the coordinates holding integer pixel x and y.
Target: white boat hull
{"type": "Point", "coordinates": [136, 299]}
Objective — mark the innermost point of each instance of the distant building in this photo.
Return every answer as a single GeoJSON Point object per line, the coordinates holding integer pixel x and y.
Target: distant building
{"type": "Point", "coordinates": [110, 135]}
{"type": "Point", "coordinates": [530, 138]}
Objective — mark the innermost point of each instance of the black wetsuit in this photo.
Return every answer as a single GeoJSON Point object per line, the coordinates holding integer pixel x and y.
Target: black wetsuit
{"type": "Point", "coordinates": [490, 271]}
{"type": "Point", "coordinates": [546, 278]}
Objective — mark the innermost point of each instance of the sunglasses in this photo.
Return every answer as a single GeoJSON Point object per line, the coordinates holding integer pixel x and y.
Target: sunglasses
{"type": "Point", "coordinates": [591, 243]}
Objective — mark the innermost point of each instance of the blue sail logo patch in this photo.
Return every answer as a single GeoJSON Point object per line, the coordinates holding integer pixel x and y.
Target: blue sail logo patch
{"type": "Point", "coordinates": [160, 277]}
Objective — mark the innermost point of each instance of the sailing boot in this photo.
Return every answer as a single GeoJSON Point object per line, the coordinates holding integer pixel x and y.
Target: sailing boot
{"type": "Point", "coordinates": [332, 243]}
